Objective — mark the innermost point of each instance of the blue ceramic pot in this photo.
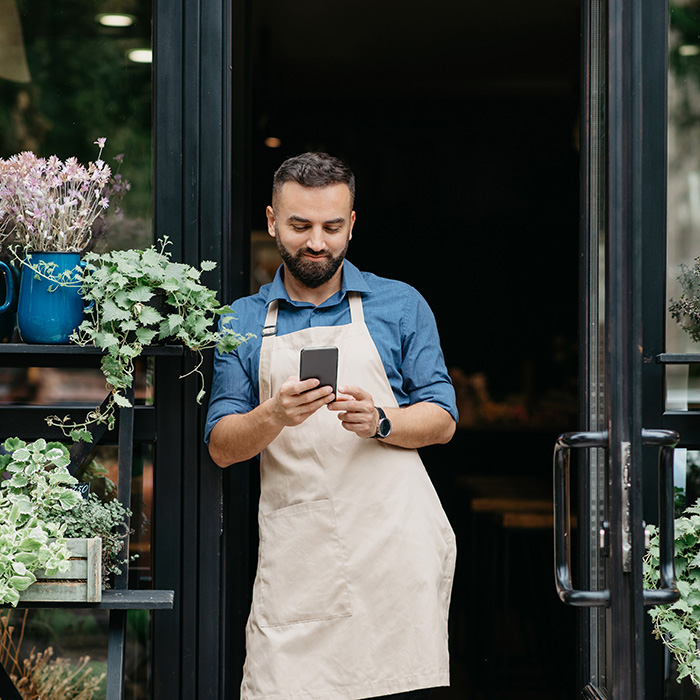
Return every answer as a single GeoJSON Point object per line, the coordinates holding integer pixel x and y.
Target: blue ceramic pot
{"type": "Point", "coordinates": [9, 286]}
{"type": "Point", "coordinates": [48, 312]}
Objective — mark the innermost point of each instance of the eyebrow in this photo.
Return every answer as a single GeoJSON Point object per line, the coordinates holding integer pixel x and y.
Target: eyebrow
{"type": "Point", "coordinates": [302, 220]}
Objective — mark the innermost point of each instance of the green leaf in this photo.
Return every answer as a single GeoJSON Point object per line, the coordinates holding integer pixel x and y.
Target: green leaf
{"type": "Point", "coordinates": [174, 321]}
{"type": "Point", "coordinates": [12, 444]}
{"type": "Point", "coordinates": [21, 583]}
{"type": "Point", "coordinates": [141, 293]}
{"type": "Point", "coordinates": [69, 499]}
{"type": "Point", "coordinates": [149, 316]}
{"type": "Point", "coordinates": [111, 312]}
{"type": "Point", "coordinates": [121, 401]}
{"type": "Point", "coordinates": [208, 265]}
{"type": "Point", "coordinates": [145, 335]}
{"type": "Point", "coordinates": [21, 455]}
{"type": "Point", "coordinates": [80, 435]}
{"type": "Point", "coordinates": [129, 325]}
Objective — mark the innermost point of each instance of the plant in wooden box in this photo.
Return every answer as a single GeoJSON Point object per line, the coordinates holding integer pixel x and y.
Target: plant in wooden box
{"type": "Point", "coordinates": [142, 297]}
{"type": "Point", "coordinates": [48, 209]}
{"type": "Point", "coordinates": [678, 625]}
{"type": "Point", "coordinates": [41, 514]}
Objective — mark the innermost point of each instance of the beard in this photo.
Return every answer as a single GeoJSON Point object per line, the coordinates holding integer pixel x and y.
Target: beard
{"type": "Point", "coordinates": [311, 273]}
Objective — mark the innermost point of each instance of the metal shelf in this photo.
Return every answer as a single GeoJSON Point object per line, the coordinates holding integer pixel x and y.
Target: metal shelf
{"type": "Point", "coordinates": [120, 599]}
{"type": "Point", "coordinates": [678, 358]}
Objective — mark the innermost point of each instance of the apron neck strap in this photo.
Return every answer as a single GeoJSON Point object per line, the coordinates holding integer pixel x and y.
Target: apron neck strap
{"type": "Point", "coordinates": [270, 327]}
{"type": "Point", "coordinates": [357, 313]}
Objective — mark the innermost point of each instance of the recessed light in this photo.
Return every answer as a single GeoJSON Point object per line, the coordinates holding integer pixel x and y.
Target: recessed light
{"type": "Point", "coordinates": [140, 55]}
{"type": "Point", "coordinates": [689, 50]}
{"type": "Point", "coordinates": [116, 20]}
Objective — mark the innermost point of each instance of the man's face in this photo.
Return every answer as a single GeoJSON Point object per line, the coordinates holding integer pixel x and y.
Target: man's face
{"type": "Point", "coordinates": [312, 227]}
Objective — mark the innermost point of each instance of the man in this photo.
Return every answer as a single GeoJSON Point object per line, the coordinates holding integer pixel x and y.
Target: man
{"type": "Point", "coordinates": [356, 554]}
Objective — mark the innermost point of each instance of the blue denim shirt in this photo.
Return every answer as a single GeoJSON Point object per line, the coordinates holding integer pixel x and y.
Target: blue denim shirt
{"type": "Point", "coordinates": [398, 319]}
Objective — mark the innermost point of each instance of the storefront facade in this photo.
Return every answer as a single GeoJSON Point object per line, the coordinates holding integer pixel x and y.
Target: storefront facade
{"type": "Point", "coordinates": [533, 173]}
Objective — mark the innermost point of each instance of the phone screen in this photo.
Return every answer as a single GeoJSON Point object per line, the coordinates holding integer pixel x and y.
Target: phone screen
{"type": "Point", "coordinates": [320, 363]}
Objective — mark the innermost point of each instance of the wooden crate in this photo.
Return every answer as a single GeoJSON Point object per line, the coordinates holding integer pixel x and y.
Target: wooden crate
{"type": "Point", "coordinates": [81, 584]}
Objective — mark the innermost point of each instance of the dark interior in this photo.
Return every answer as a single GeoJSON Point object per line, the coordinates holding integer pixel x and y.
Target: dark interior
{"type": "Point", "coordinates": [460, 122]}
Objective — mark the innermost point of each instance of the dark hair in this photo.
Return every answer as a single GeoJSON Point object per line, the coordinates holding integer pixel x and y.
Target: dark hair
{"type": "Point", "coordinates": [313, 170]}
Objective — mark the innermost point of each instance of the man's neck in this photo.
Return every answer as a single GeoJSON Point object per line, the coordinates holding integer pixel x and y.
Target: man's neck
{"type": "Point", "coordinates": [300, 292]}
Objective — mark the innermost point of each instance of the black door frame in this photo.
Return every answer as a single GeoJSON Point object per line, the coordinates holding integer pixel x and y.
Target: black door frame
{"type": "Point", "coordinates": [624, 162]}
{"type": "Point", "coordinates": [201, 164]}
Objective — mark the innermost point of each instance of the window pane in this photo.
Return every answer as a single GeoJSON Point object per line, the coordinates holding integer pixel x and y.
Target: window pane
{"type": "Point", "coordinates": [66, 79]}
{"type": "Point", "coordinates": [69, 75]}
{"type": "Point", "coordinates": [683, 219]}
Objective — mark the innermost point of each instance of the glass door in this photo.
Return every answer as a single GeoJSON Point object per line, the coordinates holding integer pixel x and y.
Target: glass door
{"type": "Point", "coordinates": [621, 463]}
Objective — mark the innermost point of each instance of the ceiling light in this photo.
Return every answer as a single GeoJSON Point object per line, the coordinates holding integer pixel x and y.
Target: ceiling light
{"type": "Point", "coordinates": [116, 20]}
{"type": "Point", "coordinates": [140, 55]}
{"type": "Point", "coordinates": [273, 142]}
{"type": "Point", "coordinates": [689, 50]}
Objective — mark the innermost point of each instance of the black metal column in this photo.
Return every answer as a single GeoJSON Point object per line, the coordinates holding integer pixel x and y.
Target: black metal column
{"type": "Point", "coordinates": [624, 343]}
{"type": "Point", "coordinates": [199, 160]}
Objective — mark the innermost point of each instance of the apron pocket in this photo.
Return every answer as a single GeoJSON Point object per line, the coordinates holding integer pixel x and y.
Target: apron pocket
{"type": "Point", "coordinates": [302, 568]}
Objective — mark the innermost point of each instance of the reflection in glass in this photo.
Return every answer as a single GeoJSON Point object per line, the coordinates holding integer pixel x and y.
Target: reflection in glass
{"type": "Point", "coordinates": [683, 238]}
{"type": "Point", "coordinates": [683, 198]}
{"type": "Point", "coordinates": [66, 79]}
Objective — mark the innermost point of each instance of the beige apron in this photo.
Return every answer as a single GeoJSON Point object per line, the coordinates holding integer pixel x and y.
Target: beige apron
{"type": "Point", "coordinates": [356, 554]}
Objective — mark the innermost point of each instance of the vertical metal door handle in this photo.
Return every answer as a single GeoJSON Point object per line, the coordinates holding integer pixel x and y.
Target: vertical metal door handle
{"type": "Point", "coordinates": [668, 593]}
{"type": "Point", "coordinates": [562, 519]}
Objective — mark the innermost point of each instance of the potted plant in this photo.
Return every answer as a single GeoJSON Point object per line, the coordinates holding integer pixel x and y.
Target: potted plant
{"type": "Point", "coordinates": [138, 298]}
{"type": "Point", "coordinates": [678, 625]}
{"type": "Point", "coordinates": [48, 208]}
{"type": "Point", "coordinates": [41, 512]}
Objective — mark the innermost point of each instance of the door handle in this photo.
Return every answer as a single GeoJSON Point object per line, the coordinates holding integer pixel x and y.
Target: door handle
{"type": "Point", "coordinates": [562, 518]}
{"type": "Point", "coordinates": [668, 593]}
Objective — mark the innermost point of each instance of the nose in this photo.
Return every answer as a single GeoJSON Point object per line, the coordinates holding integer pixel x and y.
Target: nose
{"type": "Point", "coordinates": [316, 240]}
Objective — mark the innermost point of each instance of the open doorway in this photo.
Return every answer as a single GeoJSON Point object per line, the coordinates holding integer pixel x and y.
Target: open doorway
{"type": "Point", "coordinates": [460, 122]}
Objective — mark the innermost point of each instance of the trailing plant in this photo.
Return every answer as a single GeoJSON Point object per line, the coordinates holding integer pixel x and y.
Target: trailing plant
{"type": "Point", "coordinates": [39, 508]}
{"type": "Point", "coordinates": [678, 624]}
{"type": "Point", "coordinates": [686, 309]}
{"type": "Point", "coordinates": [138, 298]}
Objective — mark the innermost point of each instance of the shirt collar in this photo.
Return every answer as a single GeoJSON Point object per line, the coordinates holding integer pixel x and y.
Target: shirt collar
{"type": "Point", "coordinates": [352, 281]}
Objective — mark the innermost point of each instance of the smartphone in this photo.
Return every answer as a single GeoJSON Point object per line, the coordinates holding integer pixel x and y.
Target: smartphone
{"type": "Point", "coordinates": [320, 363]}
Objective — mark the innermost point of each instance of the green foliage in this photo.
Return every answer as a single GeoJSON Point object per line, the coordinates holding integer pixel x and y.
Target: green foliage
{"type": "Point", "coordinates": [37, 479]}
{"type": "Point", "coordinates": [141, 297]}
{"type": "Point", "coordinates": [686, 309]}
{"type": "Point", "coordinates": [93, 518]}
{"type": "Point", "coordinates": [678, 625]}
{"type": "Point", "coordinates": [39, 508]}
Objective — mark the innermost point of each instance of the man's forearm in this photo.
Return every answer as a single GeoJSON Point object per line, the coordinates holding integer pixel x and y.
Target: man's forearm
{"type": "Point", "coordinates": [419, 425]}
{"type": "Point", "coordinates": [239, 437]}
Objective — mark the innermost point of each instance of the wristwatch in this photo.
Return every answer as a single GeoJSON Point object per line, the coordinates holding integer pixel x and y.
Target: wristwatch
{"type": "Point", "coordinates": [383, 426]}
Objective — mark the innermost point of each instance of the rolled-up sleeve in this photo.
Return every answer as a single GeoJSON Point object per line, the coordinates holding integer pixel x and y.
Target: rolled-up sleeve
{"type": "Point", "coordinates": [232, 389]}
{"type": "Point", "coordinates": [425, 376]}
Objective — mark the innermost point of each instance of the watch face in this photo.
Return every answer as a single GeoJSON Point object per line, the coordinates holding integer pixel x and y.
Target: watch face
{"type": "Point", "coordinates": [384, 428]}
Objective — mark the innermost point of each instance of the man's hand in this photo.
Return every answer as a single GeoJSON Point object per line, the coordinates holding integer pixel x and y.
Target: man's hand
{"type": "Point", "coordinates": [412, 426]}
{"type": "Point", "coordinates": [356, 411]}
{"type": "Point", "coordinates": [297, 400]}
{"type": "Point", "coordinates": [238, 437]}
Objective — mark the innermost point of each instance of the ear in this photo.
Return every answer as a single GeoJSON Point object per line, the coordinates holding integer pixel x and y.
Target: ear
{"type": "Point", "coordinates": [270, 221]}
{"type": "Point", "coordinates": [352, 223]}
